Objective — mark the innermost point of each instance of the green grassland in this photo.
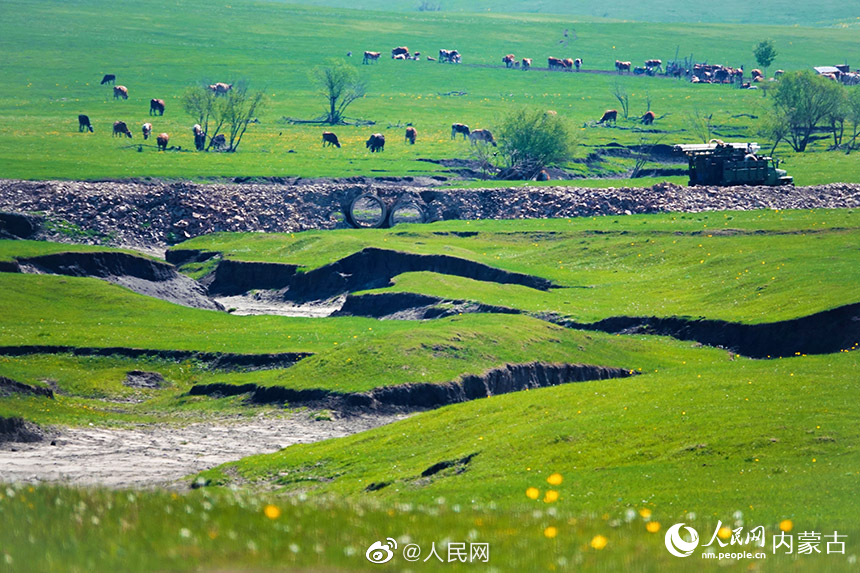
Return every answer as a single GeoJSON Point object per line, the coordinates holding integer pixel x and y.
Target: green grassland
{"type": "Point", "coordinates": [225, 531]}
{"type": "Point", "coordinates": [772, 12]}
{"type": "Point", "coordinates": [698, 432]}
{"type": "Point", "coordinates": [57, 54]}
{"type": "Point", "coordinates": [741, 266]}
{"type": "Point", "coordinates": [11, 250]}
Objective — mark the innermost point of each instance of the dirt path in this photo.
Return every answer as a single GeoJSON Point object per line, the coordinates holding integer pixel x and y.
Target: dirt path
{"type": "Point", "coordinates": [159, 455]}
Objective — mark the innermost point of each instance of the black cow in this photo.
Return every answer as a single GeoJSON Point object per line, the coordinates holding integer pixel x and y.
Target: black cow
{"type": "Point", "coordinates": [84, 123]}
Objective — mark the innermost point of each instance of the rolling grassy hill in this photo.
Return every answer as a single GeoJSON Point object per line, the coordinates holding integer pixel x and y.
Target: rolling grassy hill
{"type": "Point", "coordinates": [59, 51]}
{"type": "Point", "coordinates": [771, 12]}
{"type": "Point", "coordinates": [698, 432]}
{"type": "Point", "coordinates": [740, 266]}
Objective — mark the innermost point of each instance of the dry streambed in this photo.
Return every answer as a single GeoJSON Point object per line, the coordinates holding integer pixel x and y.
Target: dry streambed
{"type": "Point", "coordinates": [160, 455]}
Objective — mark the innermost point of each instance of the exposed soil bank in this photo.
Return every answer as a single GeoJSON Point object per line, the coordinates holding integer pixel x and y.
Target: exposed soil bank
{"type": "Point", "coordinates": [237, 277]}
{"type": "Point", "coordinates": [367, 269]}
{"type": "Point", "coordinates": [501, 380]}
{"type": "Point", "coordinates": [161, 455]}
{"type": "Point", "coordinates": [412, 306]}
{"type": "Point", "coordinates": [142, 275]}
{"type": "Point", "coordinates": [19, 430]}
{"type": "Point", "coordinates": [8, 387]}
{"type": "Point", "coordinates": [373, 268]}
{"type": "Point", "coordinates": [143, 215]}
{"type": "Point", "coordinates": [220, 360]}
{"type": "Point", "coordinates": [821, 333]}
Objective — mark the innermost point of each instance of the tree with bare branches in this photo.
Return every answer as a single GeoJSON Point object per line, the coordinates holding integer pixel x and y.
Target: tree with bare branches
{"type": "Point", "coordinates": [341, 85]}
{"type": "Point", "coordinates": [228, 114]}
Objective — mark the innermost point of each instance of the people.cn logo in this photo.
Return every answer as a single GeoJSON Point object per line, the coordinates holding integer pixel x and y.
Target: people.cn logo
{"type": "Point", "coordinates": [381, 552]}
{"type": "Point", "coordinates": [677, 546]}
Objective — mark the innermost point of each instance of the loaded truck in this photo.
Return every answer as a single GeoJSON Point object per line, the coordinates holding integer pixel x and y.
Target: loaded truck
{"type": "Point", "coordinates": [719, 163]}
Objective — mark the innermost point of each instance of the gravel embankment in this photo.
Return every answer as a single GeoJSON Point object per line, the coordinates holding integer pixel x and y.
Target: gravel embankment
{"type": "Point", "coordinates": [154, 214]}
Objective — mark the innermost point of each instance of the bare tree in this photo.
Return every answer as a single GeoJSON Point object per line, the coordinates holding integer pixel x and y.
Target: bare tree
{"type": "Point", "coordinates": [620, 94]}
{"type": "Point", "coordinates": [240, 108]}
{"type": "Point", "coordinates": [643, 156]}
{"type": "Point", "coordinates": [230, 113]}
{"type": "Point", "coordinates": [701, 124]}
{"type": "Point", "coordinates": [340, 84]}
{"type": "Point", "coordinates": [200, 103]}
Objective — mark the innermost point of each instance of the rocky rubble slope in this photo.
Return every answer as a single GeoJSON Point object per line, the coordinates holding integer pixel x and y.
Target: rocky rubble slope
{"type": "Point", "coordinates": [147, 215]}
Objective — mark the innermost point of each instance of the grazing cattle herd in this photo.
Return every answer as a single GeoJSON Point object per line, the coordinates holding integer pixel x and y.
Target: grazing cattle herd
{"type": "Point", "coordinates": [695, 72]}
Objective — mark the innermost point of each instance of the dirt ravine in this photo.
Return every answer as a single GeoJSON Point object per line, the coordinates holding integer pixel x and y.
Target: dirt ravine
{"type": "Point", "coordinates": [151, 215]}
{"type": "Point", "coordinates": [161, 455]}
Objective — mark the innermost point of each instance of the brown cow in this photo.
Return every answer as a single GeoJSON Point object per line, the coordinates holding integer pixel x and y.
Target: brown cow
{"type": "Point", "coordinates": [156, 107]}
{"type": "Point", "coordinates": [84, 123]}
{"type": "Point", "coordinates": [648, 118]}
{"type": "Point", "coordinates": [146, 128]}
{"type": "Point", "coordinates": [220, 88]}
{"type": "Point", "coordinates": [120, 129]}
{"type": "Point", "coordinates": [567, 63]}
{"type": "Point", "coordinates": [542, 176]}
{"type": "Point", "coordinates": [401, 57]}
{"type": "Point", "coordinates": [482, 135]}
{"type": "Point", "coordinates": [778, 73]}
{"type": "Point", "coordinates": [656, 64]}
{"type": "Point", "coordinates": [609, 116]}
{"type": "Point", "coordinates": [402, 50]}
{"type": "Point", "coordinates": [756, 73]}
{"type": "Point", "coordinates": [622, 66]}
{"type": "Point", "coordinates": [376, 143]}
{"type": "Point", "coordinates": [109, 79]}
{"type": "Point", "coordinates": [411, 134]}
{"type": "Point", "coordinates": [577, 63]}
{"type": "Point", "coordinates": [161, 141]}
{"type": "Point", "coordinates": [370, 57]}
{"type": "Point", "coordinates": [330, 138]}
{"type": "Point", "coordinates": [554, 63]}
{"type": "Point", "coordinates": [459, 128]}
{"type": "Point", "coordinates": [219, 142]}
{"type": "Point", "coordinates": [527, 63]}
{"type": "Point", "coordinates": [509, 60]}
{"type": "Point", "coordinates": [120, 92]}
